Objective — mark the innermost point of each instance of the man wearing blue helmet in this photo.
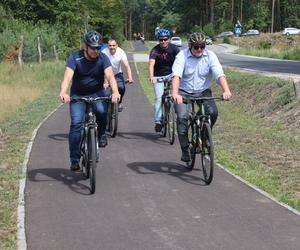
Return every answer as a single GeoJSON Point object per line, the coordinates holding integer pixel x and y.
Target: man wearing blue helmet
{"type": "Point", "coordinates": [161, 59]}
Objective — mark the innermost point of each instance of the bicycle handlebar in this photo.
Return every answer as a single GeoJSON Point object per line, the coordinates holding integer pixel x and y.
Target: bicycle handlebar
{"type": "Point", "coordinates": [91, 99]}
{"type": "Point", "coordinates": [192, 99]}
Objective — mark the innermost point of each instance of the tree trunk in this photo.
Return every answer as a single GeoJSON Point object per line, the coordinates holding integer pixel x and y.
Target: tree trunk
{"type": "Point", "coordinates": [232, 11]}
{"type": "Point", "coordinates": [212, 11]}
{"type": "Point", "coordinates": [241, 17]}
{"type": "Point", "coordinates": [130, 25]}
{"type": "Point", "coordinates": [272, 23]}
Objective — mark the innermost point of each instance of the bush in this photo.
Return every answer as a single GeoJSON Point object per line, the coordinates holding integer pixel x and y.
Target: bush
{"type": "Point", "coordinates": [226, 40]}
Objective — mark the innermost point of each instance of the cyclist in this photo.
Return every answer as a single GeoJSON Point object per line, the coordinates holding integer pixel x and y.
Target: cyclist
{"type": "Point", "coordinates": [117, 56]}
{"type": "Point", "coordinates": [86, 69]}
{"type": "Point", "coordinates": [192, 76]}
{"type": "Point", "coordinates": [161, 59]}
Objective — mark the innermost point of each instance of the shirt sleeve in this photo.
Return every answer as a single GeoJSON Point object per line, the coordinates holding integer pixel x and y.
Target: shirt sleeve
{"type": "Point", "coordinates": [178, 65]}
{"type": "Point", "coordinates": [71, 62]}
{"type": "Point", "coordinates": [215, 65]}
{"type": "Point", "coordinates": [106, 61]}
{"type": "Point", "coordinates": [152, 54]}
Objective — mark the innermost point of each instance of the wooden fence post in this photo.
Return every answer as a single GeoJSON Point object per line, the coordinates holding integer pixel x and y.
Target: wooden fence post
{"type": "Point", "coordinates": [297, 87]}
{"type": "Point", "coordinates": [39, 50]}
{"type": "Point", "coordinates": [21, 51]}
{"type": "Point", "coordinates": [55, 52]}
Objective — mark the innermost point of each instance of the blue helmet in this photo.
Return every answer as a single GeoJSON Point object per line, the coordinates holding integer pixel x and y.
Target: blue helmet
{"type": "Point", "coordinates": [163, 33]}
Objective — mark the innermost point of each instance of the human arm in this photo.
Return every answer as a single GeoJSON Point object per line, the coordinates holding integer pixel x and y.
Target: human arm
{"type": "Point", "coordinates": [175, 88]}
{"type": "Point", "coordinates": [151, 69]}
{"type": "Point", "coordinates": [109, 75]}
{"type": "Point", "coordinates": [128, 70]}
{"type": "Point", "coordinates": [225, 88]}
{"type": "Point", "coordinates": [65, 84]}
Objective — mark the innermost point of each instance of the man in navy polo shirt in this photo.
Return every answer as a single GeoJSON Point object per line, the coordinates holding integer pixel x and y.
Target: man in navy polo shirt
{"type": "Point", "coordinates": [86, 70]}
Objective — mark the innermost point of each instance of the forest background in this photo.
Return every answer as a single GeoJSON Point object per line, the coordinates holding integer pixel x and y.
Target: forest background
{"type": "Point", "coordinates": [62, 22]}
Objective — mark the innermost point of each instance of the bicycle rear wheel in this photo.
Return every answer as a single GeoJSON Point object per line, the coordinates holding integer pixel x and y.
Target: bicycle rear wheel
{"type": "Point", "coordinates": [163, 119]}
{"type": "Point", "coordinates": [192, 135]}
{"type": "Point", "coordinates": [92, 162]}
{"type": "Point", "coordinates": [207, 153]}
{"type": "Point", "coordinates": [171, 123]}
{"type": "Point", "coordinates": [112, 119]}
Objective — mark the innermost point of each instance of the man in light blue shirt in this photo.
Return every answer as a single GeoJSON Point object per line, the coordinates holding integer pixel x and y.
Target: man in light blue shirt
{"type": "Point", "coordinates": [192, 71]}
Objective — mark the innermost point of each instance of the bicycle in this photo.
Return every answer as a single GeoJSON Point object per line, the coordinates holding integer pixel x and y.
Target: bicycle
{"type": "Point", "coordinates": [112, 118]}
{"type": "Point", "coordinates": [200, 137]}
{"type": "Point", "coordinates": [89, 140]}
{"type": "Point", "coordinates": [168, 119]}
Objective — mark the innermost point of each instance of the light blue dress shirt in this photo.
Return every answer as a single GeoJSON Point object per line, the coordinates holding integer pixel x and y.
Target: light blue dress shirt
{"type": "Point", "coordinates": [196, 72]}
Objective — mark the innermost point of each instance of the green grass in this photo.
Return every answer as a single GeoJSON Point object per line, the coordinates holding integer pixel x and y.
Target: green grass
{"type": "Point", "coordinates": [251, 139]}
{"type": "Point", "coordinates": [16, 131]}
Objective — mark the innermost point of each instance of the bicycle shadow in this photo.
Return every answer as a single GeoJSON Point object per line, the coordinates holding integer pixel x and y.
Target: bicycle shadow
{"type": "Point", "coordinates": [170, 168]}
{"type": "Point", "coordinates": [59, 137]}
{"type": "Point", "coordinates": [149, 136]}
{"type": "Point", "coordinates": [68, 178]}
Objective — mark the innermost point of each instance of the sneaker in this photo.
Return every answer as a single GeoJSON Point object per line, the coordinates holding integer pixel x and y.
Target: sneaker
{"type": "Point", "coordinates": [185, 157]}
{"type": "Point", "coordinates": [75, 167]}
{"type": "Point", "coordinates": [103, 141]}
{"type": "Point", "coordinates": [158, 127]}
{"type": "Point", "coordinates": [120, 107]}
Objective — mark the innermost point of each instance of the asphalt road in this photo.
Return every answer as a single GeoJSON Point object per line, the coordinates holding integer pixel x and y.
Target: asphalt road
{"type": "Point", "coordinates": [145, 198]}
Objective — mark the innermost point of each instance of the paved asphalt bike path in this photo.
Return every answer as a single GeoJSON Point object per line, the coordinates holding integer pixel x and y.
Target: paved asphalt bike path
{"type": "Point", "coordinates": [145, 198]}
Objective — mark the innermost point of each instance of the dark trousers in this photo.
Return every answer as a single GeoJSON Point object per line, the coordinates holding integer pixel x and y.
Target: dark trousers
{"type": "Point", "coordinates": [182, 111]}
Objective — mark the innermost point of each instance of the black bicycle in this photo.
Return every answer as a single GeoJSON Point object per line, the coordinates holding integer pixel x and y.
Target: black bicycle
{"type": "Point", "coordinates": [168, 120]}
{"type": "Point", "coordinates": [200, 137]}
{"type": "Point", "coordinates": [89, 140]}
{"type": "Point", "coordinates": [112, 118]}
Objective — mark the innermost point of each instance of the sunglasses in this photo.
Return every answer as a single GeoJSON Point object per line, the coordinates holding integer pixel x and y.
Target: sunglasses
{"type": "Point", "coordinates": [94, 48]}
{"type": "Point", "coordinates": [198, 46]}
{"type": "Point", "coordinates": [163, 39]}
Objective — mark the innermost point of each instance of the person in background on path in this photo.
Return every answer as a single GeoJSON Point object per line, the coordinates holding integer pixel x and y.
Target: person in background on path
{"type": "Point", "coordinates": [192, 76]}
{"type": "Point", "coordinates": [86, 70]}
{"type": "Point", "coordinates": [161, 59]}
{"type": "Point", "coordinates": [116, 56]}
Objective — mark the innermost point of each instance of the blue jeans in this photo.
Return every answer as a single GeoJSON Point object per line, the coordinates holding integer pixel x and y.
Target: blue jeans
{"type": "Point", "coordinates": [121, 85]}
{"type": "Point", "coordinates": [182, 111]}
{"type": "Point", "coordinates": [158, 88]}
{"type": "Point", "coordinates": [77, 113]}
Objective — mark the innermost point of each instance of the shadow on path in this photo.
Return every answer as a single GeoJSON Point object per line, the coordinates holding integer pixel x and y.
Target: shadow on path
{"type": "Point", "coordinates": [169, 168]}
{"type": "Point", "coordinates": [59, 137]}
{"type": "Point", "coordinates": [65, 176]}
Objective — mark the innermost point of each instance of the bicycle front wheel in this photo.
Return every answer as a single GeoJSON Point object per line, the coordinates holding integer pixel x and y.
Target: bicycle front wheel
{"type": "Point", "coordinates": [192, 136]}
{"type": "Point", "coordinates": [92, 149]}
{"type": "Point", "coordinates": [112, 121]}
{"type": "Point", "coordinates": [171, 123]}
{"type": "Point", "coordinates": [207, 153]}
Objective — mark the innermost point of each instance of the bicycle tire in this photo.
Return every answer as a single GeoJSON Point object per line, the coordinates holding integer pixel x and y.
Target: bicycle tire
{"type": "Point", "coordinates": [192, 134]}
{"type": "Point", "coordinates": [84, 156]}
{"type": "Point", "coordinates": [207, 153]}
{"type": "Point", "coordinates": [112, 123]}
{"type": "Point", "coordinates": [92, 159]}
{"type": "Point", "coordinates": [171, 123]}
{"type": "Point", "coordinates": [163, 119]}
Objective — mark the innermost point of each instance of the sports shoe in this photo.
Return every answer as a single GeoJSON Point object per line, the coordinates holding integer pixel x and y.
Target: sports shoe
{"type": "Point", "coordinates": [158, 127]}
{"type": "Point", "coordinates": [120, 107]}
{"type": "Point", "coordinates": [103, 141]}
{"type": "Point", "coordinates": [75, 167]}
{"type": "Point", "coordinates": [185, 157]}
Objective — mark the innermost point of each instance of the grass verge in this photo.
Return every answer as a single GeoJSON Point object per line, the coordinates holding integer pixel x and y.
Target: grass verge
{"type": "Point", "coordinates": [252, 136]}
{"type": "Point", "coordinates": [16, 130]}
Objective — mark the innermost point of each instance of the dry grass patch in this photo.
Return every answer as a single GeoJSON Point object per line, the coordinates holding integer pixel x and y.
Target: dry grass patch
{"type": "Point", "coordinates": [13, 96]}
